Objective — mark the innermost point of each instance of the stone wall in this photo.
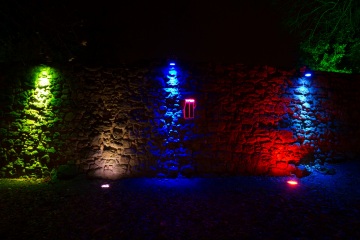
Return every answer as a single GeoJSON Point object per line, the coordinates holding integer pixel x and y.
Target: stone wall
{"type": "Point", "coordinates": [264, 120]}
{"type": "Point", "coordinates": [128, 121]}
{"type": "Point", "coordinates": [35, 107]}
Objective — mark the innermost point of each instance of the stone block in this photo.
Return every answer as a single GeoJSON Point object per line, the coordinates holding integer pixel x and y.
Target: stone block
{"type": "Point", "coordinates": [69, 116]}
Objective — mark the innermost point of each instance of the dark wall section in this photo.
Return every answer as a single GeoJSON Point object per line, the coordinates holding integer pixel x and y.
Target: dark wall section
{"type": "Point", "coordinates": [128, 121]}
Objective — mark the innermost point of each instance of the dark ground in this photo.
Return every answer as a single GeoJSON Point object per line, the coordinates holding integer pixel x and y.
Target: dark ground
{"type": "Point", "coordinates": [320, 207]}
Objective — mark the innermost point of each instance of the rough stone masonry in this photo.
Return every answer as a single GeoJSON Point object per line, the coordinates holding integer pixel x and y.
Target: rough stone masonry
{"type": "Point", "coordinates": [127, 120]}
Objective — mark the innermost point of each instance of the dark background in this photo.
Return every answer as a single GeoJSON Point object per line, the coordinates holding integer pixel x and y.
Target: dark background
{"type": "Point", "coordinates": [226, 31]}
{"type": "Point", "coordinates": [135, 30]}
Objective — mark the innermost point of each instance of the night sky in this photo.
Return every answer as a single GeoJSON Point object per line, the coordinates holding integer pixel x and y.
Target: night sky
{"type": "Point", "coordinates": [195, 30]}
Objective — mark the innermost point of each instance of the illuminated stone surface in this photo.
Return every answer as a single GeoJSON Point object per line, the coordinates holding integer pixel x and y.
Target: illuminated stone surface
{"type": "Point", "coordinates": [116, 122]}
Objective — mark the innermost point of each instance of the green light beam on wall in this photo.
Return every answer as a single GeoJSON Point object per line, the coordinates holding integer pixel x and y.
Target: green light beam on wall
{"type": "Point", "coordinates": [39, 120]}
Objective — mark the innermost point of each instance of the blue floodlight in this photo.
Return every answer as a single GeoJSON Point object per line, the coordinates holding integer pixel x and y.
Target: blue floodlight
{"type": "Point", "coordinates": [172, 64]}
{"type": "Point", "coordinates": [307, 74]}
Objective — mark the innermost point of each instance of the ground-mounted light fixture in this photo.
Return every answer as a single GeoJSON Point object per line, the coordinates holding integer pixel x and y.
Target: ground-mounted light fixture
{"type": "Point", "coordinates": [305, 72]}
{"type": "Point", "coordinates": [292, 182]}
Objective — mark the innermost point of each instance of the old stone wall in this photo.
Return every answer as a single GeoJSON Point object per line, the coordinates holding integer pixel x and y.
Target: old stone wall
{"type": "Point", "coordinates": [128, 121]}
{"type": "Point", "coordinates": [265, 120]}
{"type": "Point", "coordinates": [35, 110]}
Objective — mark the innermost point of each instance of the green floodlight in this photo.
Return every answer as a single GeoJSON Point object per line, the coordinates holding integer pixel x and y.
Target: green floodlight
{"type": "Point", "coordinates": [44, 78]}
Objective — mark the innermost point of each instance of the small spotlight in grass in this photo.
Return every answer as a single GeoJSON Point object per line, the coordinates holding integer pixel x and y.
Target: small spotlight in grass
{"type": "Point", "coordinates": [105, 186]}
{"type": "Point", "coordinates": [292, 182]}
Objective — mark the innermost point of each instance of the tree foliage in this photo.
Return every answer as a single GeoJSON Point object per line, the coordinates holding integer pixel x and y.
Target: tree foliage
{"type": "Point", "coordinates": [328, 31]}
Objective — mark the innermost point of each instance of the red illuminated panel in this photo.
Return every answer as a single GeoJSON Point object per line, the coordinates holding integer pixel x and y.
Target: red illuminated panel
{"type": "Point", "coordinates": [189, 108]}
